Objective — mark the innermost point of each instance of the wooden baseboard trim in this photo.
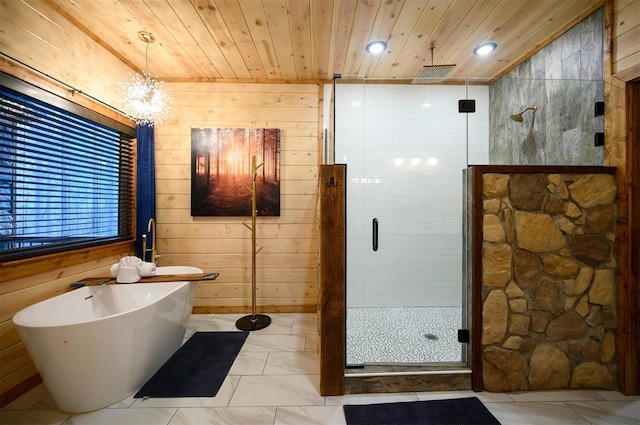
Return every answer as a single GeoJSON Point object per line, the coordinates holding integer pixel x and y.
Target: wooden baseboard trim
{"type": "Point", "coordinates": [247, 310]}
{"type": "Point", "coordinates": [408, 383]}
{"type": "Point", "coordinates": [15, 392]}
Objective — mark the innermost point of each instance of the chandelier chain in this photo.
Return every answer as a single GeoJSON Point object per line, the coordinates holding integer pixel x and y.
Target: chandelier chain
{"type": "Point", "coordinates": [146, 59]}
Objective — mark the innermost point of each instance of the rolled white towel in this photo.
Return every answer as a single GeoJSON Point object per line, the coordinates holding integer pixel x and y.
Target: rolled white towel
{"type": "Point", "coordinates": [114, 270]}
{"type": "Point", "coordinates": [127, 275]}
{"type": "Point", "coordinates": [130, 261]}
{"type": "Point", "coordinates": [146, 269]}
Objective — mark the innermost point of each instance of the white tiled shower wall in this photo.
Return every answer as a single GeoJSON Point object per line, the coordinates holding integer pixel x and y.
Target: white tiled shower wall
{"type": "Point", "coordinates": [418, 206]}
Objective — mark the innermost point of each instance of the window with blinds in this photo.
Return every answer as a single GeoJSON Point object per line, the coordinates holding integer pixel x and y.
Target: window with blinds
{"type": "Point", "coordinates": [66, 181]}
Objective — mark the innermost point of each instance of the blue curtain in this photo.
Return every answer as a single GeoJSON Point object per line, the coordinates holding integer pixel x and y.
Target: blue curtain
{"type": "Point", "coordinates": [146, 187]}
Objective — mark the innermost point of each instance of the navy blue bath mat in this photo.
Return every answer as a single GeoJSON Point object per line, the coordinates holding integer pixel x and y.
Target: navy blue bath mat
{"type": "Point", "coordinates": [458, 411]}
{"type": "Point", "coordinates": [198, 368]}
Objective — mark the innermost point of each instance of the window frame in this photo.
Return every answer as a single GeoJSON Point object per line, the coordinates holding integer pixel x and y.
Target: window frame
{"type": "Point", "coordinates": [40, 262]}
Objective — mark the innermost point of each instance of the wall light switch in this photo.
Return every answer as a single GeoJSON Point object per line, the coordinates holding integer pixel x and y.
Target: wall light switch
{"type": "Point", "coordinates": [599, 139]}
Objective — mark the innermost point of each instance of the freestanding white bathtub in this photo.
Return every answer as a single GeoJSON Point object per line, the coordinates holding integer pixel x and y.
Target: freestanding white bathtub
{"type": "Point", "coordinates": [97, 345]}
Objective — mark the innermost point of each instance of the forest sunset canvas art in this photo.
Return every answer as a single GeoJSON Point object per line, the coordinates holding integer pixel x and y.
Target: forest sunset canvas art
{"type": "Point", "coordinates": [222, 172]}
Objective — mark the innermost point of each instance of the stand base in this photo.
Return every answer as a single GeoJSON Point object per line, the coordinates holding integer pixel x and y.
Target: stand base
{"type": "Point", "coordinates": [249, 323]}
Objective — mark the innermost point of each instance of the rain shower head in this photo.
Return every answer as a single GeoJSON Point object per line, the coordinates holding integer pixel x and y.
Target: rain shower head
{"type": "Point", "coordinates": [518, 117]}
{"type": "Point", "coordinates": [433, 73]}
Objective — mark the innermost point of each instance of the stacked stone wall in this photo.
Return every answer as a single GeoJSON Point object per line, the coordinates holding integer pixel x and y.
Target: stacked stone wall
{"type": "Point", "coordinates": [548, 274]}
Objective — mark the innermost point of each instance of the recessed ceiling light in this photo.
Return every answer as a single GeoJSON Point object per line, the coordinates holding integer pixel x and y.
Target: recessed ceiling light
{"type": "Point", "coordinates": [376, 47]}
{"type": "Point", "coordinates": [484, 49]}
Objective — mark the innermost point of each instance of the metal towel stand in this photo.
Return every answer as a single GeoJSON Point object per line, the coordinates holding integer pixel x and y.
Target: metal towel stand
{"type": "Point", "coordinates": [253, 322]}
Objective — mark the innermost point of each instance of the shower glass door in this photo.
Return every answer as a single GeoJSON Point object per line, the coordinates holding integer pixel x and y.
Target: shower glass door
{"type": "Point", "coordinates": [405, 147]}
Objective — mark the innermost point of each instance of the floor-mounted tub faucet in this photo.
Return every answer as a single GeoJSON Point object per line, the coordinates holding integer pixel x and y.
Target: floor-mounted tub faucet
{"type": "Point", "coordinates": [144, 247]}
{"type": "Point", "coordinates": [151, 227]}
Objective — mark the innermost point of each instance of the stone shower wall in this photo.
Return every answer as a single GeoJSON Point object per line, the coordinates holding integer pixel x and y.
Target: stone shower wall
{"type": "Point", "coordinates": [548, 301]}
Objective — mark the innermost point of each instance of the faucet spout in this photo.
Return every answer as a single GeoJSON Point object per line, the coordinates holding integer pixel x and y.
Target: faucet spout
{"type": "Point", "coordinates": [151, 228]}
{"type": "Point", "coordinates": [144, 246]}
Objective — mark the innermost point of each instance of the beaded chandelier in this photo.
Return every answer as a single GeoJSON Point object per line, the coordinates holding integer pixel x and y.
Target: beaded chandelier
{"type": "Point", "coordinates": [144, 98]}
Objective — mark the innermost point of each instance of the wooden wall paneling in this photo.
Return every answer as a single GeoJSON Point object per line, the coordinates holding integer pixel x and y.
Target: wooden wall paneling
{"type": "Point", "coordinates": [279, 26]}
{"type": "Point", "coordinates": [407, 18]}
{"type": "Point", "coordinates": [332, 294]}
{"type": "Point", "coordinates": [627, 33]}
{"type": "Point", "coordinates": [299, 40]}
{"type": "Point", "coordinates": [299, 13]}
{"type": "Point", "coordinates": [621, 68]}
{"type": "Point", "coordinates": [26, 381]}
{"type": "Point", "coordinates": [321, 13]}
{"type": "Point", "coordinates": [105, 17]}
{"type": "Point", "coordinates": [287, 265]}
{"type": "Point", "coordinates": [14, 358]}
{"type": "Point", "coordinates": [360, 35]}
{"type": "Point", "coordinates": [257, 25]}
{"type": "Point", "coordinates": [35, 34]}
{"type": "Point", "coordinates": [341, 24]}
{"type": "Point", "coordinates": [387, 18]}
{"type": "Point", "coordinates": [484, 17]}
{"type": "Point", "coordinates": [457, 15]}
{"type": "Point", "coordinates": [187, 61]}
{"type": "Point", "coordinates": [421, 32]}
{"type": "Point", "coordinates": [623, 31]}
{"type": "Point", "coordinates": [205, 51]}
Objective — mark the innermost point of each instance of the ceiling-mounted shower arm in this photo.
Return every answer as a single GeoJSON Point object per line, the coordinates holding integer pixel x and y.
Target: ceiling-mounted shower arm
{"type": "Point", "coordinates": [433, 73]}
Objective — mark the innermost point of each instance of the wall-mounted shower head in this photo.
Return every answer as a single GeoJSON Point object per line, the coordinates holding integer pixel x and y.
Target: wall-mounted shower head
{"type": "Point", "coordinates": [518, 117]}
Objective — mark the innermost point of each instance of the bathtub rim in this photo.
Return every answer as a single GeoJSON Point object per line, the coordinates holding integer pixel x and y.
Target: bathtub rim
{"type": "Point", "coordinates": [17, 321]}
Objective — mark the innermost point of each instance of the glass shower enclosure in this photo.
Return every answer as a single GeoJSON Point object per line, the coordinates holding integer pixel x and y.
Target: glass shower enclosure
{"type": "Point", "coordinates": [406, 146]}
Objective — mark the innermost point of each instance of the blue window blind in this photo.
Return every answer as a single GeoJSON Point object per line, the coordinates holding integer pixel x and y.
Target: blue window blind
{"type": "Point", "coordinates": [66, 181]}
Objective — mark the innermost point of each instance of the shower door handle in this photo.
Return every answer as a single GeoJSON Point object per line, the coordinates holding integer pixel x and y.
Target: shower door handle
{"type": "Point", "coordinates": [374, 238]}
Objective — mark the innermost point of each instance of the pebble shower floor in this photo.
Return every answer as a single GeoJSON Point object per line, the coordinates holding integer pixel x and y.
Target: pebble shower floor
{"type": "Point", "coordinates": [403, 335]}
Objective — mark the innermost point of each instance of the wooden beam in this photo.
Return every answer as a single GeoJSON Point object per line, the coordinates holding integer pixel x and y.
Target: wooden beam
{"type": "Point", "coordinates": [621, 124]}
{"type": "Point", "coordinates": [332, 294]}
{"type": "Point", "coordinates": [476, 279]}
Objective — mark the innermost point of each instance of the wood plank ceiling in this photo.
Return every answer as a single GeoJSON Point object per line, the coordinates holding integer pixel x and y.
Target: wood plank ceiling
{"type": "Point", "coordinates": [260, 40]}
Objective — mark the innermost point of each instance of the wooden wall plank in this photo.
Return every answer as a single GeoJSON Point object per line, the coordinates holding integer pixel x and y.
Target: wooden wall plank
{"type": "Point", "coordinates": [278, 21]}
{"type": "Point", "coordinates": [222, 37]}
{"type": "Point", "coordinates": [237, 27]}
{"type": "Point", "coordinates": [299, 13]}
{"type": "Point", "coordinates": [419, 38]}
{"type": "Point", "coordinates": [321, 13]}
{"type": "Point", "coordinates": [360, 33]}
{"type": "Point", "coordinates": [407, 19]}
{"type": "Point", "coordinates": [34, 34]}
{"type": "Point", "coordinates": [205, 51]}
{"type": "Point", "coordinates": [258, 28]}
{"type": "Point", "coordinates": [387, 19]}
{"type": "Point", "coordinates": [161, 21]}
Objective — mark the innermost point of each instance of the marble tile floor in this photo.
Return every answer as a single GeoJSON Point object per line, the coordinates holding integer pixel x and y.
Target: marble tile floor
{"type": "Point", "coordinates": [275, 381]}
